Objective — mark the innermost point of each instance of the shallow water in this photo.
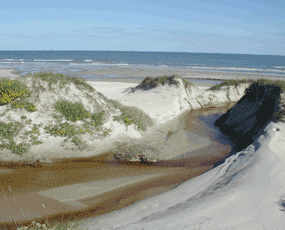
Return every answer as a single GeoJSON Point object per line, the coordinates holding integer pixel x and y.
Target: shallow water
{"type": "Point", "coordinates": [26, 182]}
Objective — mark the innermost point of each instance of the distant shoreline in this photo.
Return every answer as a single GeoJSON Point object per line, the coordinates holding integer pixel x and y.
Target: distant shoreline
{"type": "Point", "coordinates": [141, 73]}
{"type": "Point", "coordinates": [131, 75]}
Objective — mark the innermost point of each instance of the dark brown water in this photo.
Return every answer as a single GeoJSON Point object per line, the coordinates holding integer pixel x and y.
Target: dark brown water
{"type": "Point", "coordinates": [21, 199]}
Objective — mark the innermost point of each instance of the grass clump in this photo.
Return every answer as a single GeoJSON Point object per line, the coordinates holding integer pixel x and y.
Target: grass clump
{"type": "Point", "coordinates": [229, 83]}
{"type": "Point", "coordinates": [153, 82]}
{"type": "Point", "coordinates": [72, 111]}
{"type": "Point", "coordinates": [11, 90]}
{"type": "Point", "coordinates": [11, 129]}
{"type": "Point", "coordinates": [23, 104]}
{"type": "Point", "coordinates": [7, 132]}
{"type": "Point", "coordinates": [53, 78]}
{"type": "Point", "coordinates": [263, 82]}
{"type": "Point", "coordinates": [76, 112]}
{"type": "Point", "coordinates": [132, 115]}
{"type": "Point", "coordinates": [15, 94]}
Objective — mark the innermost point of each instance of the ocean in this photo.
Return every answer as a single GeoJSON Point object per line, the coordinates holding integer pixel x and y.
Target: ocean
{"type": "Point", "coordinates": [67, 62]}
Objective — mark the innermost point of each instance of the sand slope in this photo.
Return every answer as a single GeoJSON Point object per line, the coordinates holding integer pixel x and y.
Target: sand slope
{"type": "Point", "coordinates": [245, 192]}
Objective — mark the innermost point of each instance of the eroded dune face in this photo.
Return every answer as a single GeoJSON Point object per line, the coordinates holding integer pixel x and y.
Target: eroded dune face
{"type": "Point", "coordinates": [196, 98]}
{"type": "Point", "coordinates": [244, 121]}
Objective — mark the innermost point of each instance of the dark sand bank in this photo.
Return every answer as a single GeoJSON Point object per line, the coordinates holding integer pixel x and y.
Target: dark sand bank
{"type": "Point", "coordinates": [119, 184]}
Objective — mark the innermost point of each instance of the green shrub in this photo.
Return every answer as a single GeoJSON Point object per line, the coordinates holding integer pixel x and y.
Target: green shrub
{"type": "Point", "coordinates": [131, 114]}
{"type": "Point", "coordinates": [18, 149]}
{"type": "Point", "coordinates": [79, 143]}
{"type": "Point", "coordinates": [23, 104]}
{"type": "Point", "coordinates": [72, 111]}
{"type": "Point", "coordinates": [62, 130]}
{"type": "Point", "coordinates": [11, 90]}
{"type": "Point", "coordinates": [15, 93]}
{"type": "Point", "coordinates": [37, 142]}
{"type": "Point", "coordinates": [53, 78]}
{"type": "Point", "coordinates": [96, 118]}
{"type": "Point", "coordinates": [50, 77]}
{"type": "Point", "coordinates": [8, 130]}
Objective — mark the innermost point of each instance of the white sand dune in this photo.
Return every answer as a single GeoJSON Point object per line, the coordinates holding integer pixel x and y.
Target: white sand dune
{"type": "Point", "coordinates": [163, 104]}
{"type": "Point", "coordinates": [245, 192]}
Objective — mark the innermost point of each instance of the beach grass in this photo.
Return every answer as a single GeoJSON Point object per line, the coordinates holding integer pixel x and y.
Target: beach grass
{"type": "Point", "coordinates": [229, 83]}
{"type": "Point", "coordinates": [153, 82]}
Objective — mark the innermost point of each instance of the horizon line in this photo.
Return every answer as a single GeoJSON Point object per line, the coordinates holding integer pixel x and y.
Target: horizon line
{"type": "Point", "coordinates": [148, 52]}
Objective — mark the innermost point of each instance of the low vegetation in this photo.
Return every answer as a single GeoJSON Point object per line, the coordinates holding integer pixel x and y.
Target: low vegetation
{"type": "Point", "coordinates": [230, 82]}
{"type": "Point", "coordinates": [133, 115]}
{"type": "Point", "coordinates": [153, 82]}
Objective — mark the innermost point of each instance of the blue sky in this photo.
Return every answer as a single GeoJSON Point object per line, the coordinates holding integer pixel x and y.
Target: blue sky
{"type": "Point", "coordinates": [243, 26]}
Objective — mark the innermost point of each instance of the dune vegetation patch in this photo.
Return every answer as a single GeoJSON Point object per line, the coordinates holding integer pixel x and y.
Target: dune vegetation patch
{"type": "Point", "coordinates": [229, 83]}
{"type": "Point", "coordinates": [153, 82]}
{"type": "Point", "coordinates": [133, 115]}
{"type": "Point", "coordinates": [13, 92]}
{"type": "Point", "coordinates": [53, 78]}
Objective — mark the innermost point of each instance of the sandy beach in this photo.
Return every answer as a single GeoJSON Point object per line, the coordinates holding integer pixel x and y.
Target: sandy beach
{"type": "Point", "coordinates": [8, 72]}
{"type": "Point", "coordinates": [86, 190]}
{"type": "Point", "coordinates": [141, 73]}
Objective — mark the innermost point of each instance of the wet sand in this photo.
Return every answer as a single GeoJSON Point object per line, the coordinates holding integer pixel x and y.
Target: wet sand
{"type": "Point", "coordinates": [8, 73]}
{"type": "Point", "coordinates": [124, 183]}
{"type": "Point", "coordinates": [141, 73]}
